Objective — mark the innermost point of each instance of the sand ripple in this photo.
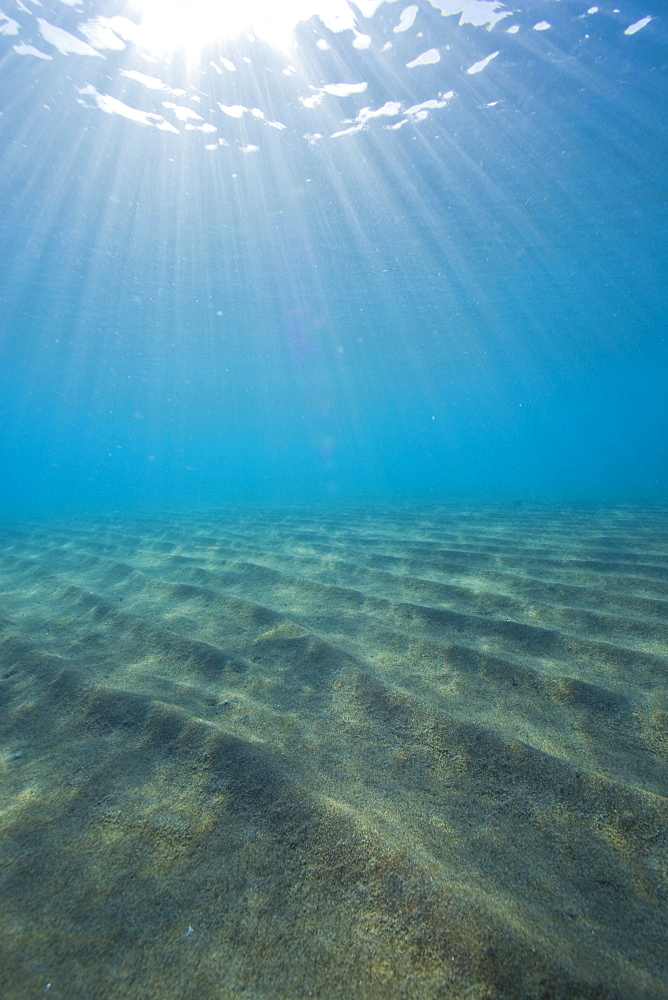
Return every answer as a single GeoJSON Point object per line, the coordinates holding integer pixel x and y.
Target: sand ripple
{"type": "Point", "coordinates": [408, 754]}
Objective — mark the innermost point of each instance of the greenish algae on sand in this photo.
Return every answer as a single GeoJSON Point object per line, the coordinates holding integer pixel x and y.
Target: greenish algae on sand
{"type": "Point", "coordinates": [409, 754]}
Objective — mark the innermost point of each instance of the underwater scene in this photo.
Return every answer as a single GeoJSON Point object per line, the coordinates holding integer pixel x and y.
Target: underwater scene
{"type": "Point", "coordinates": [333, 500]}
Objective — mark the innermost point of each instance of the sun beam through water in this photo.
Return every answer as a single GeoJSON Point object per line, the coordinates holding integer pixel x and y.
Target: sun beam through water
{"type": "Point", "coordinates": [190, 26]}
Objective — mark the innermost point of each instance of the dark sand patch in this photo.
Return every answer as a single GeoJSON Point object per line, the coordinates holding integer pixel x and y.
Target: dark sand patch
{"type": "Point", "coordinates": [419, 754]}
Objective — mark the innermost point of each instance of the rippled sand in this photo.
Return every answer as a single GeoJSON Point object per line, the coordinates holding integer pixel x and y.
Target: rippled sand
{"type": "Point", "coordinates": [357, 754]}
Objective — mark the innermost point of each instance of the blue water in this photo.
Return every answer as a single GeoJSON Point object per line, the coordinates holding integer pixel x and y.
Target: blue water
{"type": "Point", "coordinates": [471, 305]}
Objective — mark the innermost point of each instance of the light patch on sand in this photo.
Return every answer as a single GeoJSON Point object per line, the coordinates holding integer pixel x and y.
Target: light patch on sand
{"type": "Point", "coordinates": [286, 630]}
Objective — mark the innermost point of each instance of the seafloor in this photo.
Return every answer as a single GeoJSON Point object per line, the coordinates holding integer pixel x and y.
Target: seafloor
{"type": "Point", "coordinates": [354, 754]}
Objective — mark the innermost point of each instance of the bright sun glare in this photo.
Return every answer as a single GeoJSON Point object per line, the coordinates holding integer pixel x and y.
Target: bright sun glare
{"type": "Point", "coordinates": [190, 26]}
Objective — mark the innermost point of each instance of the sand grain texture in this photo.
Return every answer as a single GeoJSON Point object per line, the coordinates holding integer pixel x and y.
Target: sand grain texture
{"type": "Point", "coordinates": [333, 754]}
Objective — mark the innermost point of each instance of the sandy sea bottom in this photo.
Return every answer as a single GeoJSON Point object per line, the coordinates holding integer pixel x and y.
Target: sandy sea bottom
{"type": "Point", "coordinates": [335, 754]}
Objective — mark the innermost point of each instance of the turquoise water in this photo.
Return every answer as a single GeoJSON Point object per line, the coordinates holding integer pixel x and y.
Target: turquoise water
{"type": "Point", "coordinates": [316, 271]}
{"type": "Point", "coordinates": [333, 480]}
